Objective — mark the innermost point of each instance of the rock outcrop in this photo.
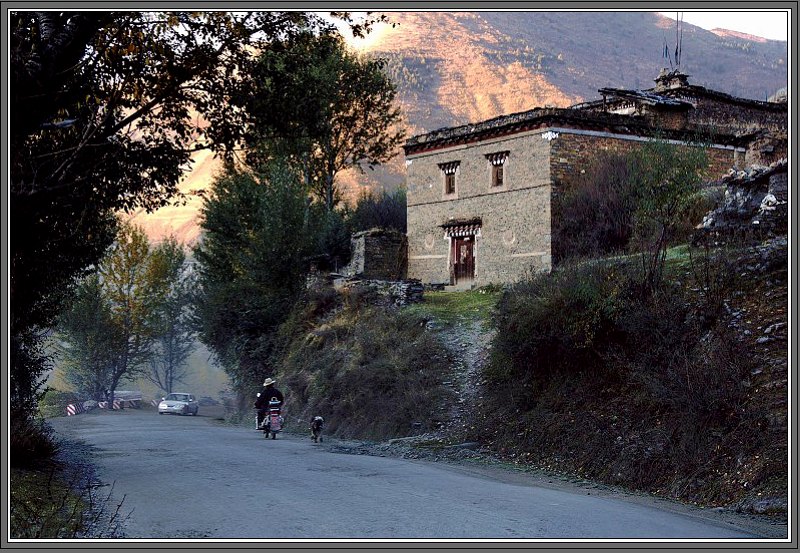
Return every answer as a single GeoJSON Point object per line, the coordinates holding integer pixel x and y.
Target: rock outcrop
{"type": "Point", "coordinates": [755, 206]}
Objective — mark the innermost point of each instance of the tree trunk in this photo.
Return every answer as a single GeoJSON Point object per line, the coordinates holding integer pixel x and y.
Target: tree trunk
{"type": "Point", "coordinates": [329, 191]}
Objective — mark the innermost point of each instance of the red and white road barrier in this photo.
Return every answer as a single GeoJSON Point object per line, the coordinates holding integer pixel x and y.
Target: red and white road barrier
{"type": "Point", "coordinates": [121, 401]}
{"type": "Point", "coordinates": [104, 404]}
{"type": "Point", "coordinates": [74, 409]}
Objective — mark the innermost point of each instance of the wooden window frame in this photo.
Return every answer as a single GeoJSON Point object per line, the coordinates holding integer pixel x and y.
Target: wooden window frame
{"type": "Point", "coordinates": [449, 184]}
{"type": "Point", "coordinates": [449, 170]}
{"type": "Point", "coordinates": [497, 163]}
{"type": "Point", "coordinates": [497, 176]}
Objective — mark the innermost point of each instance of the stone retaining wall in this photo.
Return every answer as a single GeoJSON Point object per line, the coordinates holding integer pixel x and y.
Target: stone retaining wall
{"type": "Point", "coordinates": [389, 292]}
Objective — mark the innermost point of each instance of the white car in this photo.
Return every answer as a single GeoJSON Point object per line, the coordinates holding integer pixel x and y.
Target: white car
{"type": "Point", "coordinates": [179, 404]}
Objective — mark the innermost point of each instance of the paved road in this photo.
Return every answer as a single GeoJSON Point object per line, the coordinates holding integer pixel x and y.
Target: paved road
{"type": "Point", "coordinates": [191, 477]}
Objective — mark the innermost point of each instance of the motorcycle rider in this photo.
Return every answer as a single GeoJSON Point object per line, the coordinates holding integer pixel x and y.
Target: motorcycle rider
{"type": "Point", "coordinates": [263, 398]}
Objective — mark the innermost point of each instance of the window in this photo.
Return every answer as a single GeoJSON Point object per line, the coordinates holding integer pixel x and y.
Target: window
{"type": "Point", "coordinates": [449, 183]}
{"type": "Point", "coordinates": [497, 175]}
{"type": "Point", "coordinates": [497, 162]}
{"type": "Point", "coordinates": [449, 172]}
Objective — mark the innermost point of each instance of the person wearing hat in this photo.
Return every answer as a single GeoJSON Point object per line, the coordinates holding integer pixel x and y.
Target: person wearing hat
{"type": "Point", "coordinates": [264, 396]}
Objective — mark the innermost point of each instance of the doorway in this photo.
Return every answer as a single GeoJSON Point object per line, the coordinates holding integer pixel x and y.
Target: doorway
{"type": "Point", "coordinates": [463, 259]}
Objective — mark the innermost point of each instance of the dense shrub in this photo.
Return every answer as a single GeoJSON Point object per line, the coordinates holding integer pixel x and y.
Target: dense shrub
{"type": "Point", "coordinates": [54, 402]}
{"type": "Point", "coordinates": [587, 374]}
{"type": "Point", "coordinates": [31, 440]}
{"type": "Point", "coordinates": [557, 323]}
{"type": "Point", "coordinates": [370, 372]}
{"type": "Point", "coordinates": [60, 502]}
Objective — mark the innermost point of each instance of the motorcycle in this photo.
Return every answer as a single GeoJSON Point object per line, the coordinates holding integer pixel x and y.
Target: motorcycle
{"type": "Point", "coordinates": [273, 421]}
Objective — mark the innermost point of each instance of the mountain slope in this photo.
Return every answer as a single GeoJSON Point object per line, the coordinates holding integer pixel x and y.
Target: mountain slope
{"type": "Point", "coordinates": [473, 66]}
{"type": "Point", "coordinates": [454, 68]}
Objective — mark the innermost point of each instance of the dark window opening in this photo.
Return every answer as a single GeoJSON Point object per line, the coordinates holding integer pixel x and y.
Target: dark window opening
{"type": "Point", "coordinates": [450, 184]}
{"type": "Point", "coordinates": [497, 175]}
{"type": "Point", "coordinates": [449, 169]}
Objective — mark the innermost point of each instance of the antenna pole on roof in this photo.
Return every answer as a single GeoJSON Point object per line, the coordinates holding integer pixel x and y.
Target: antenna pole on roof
{"type": "Point", "coordinates": [680, 43]}
{"type": "Point", "coordinates": [677, 40]}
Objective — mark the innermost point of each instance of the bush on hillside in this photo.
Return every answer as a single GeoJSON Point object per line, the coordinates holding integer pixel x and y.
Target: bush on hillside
{"type": "Point", "coordinates": [589, 376]}
{"type": "Point", "coordinates": [556, 323]}
{"type": "Point", "coordinates": [370, 372]}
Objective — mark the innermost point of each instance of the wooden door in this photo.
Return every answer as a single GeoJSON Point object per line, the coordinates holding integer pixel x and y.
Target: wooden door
{"type": "Point", "coordinates": [463, 259]}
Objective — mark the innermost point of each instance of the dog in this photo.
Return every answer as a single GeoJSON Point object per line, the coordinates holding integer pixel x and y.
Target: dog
{"type": "Point", "coordinates": [316, 428]}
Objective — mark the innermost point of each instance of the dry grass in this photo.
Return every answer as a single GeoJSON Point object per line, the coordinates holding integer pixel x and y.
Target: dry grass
{"type": "Point", "coordinates": [372, 373]}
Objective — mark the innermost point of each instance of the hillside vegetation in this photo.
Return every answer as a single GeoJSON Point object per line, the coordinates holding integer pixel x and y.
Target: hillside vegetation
{"type": "Point", "coordinates": [682, 393]}
{"type": "Point", "coordinates": [371, 372]}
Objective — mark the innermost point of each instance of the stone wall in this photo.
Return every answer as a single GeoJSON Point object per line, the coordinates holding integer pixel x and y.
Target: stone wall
{"type": "Point", "coordinates": [378, 254]}
{"type": "Point", "coordinates": [385, 292]}
{"type": "Point", "coordinates": [572, 153]}
{"type": "Point", "coordinates": [733, 118]}
{"type": "Point", "coordinates": [755, 206]}
{"type": "Point", "coordinates": [514, 236]}
{"type": "Point", "coordinates": [766, 149]}
{"type": "Point", "coordinates": [667, 119]}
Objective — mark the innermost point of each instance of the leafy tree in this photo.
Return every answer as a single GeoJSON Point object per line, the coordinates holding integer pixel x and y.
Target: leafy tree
{"type": "Point", "coordinates": [259, 231]}
{"type": "Point", "coordinates": [595, 215]}
{"type": "Point", "coordinates": [104, 117]}
{"type": "Point", "coordinates": [381, 210]}
{"type": "Point", "coordinates": [667, 179]}
{"type": "Point", "coordinates": [92, 338]}
{"type": "Point", "coordinates": [323, 107]}
{"type": "Point", "coordinates": [117, 310]}
{"type": "Point", "coordinates": [135, 284]}
{"type": "Point", "coordinates": [332, 240]}
{"type": "Point", "coordinates": [106, 109]}
{"type": "Point", "coordinates": [173, 318]}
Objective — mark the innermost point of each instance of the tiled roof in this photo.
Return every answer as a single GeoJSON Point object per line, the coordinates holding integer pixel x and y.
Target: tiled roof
{"type": "Point", "coordinates": [646, 97]}
{"type": "Point", "coordinates": [549, 117]}
{"type": "Point", "coordinates": [673, 97]}
{"type": "Point", "coordinates": [701, 91]}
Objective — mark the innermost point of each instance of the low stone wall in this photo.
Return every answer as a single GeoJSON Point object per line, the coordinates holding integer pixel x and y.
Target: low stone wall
{"type": "Point", "coordinates": [388, 292]}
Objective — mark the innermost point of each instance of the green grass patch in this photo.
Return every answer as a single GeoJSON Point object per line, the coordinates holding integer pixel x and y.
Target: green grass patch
{"type": "Point", "coordinates": [449, 308]}
{"type": "Point", "coordinates": [680, 258]}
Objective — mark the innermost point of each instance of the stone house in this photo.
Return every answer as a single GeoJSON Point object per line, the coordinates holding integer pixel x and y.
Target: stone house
{"type": "Point", "coordinates": [480, 196]}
